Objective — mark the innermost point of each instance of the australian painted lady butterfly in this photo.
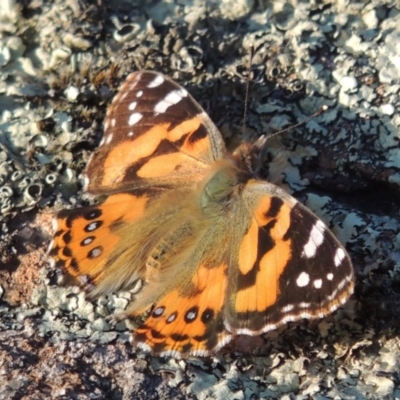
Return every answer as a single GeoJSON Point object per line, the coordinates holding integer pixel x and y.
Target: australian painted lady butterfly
{"type": "Point", "coordinates": [219, 252]}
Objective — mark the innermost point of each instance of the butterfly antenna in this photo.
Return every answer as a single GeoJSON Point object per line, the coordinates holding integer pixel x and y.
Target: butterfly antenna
{"type": "Point", "coordinates": [259, 145]}
{"type": "Point", "coordinates": [246, 98]}
{"type": "Point", "coordinates": [262, 139]}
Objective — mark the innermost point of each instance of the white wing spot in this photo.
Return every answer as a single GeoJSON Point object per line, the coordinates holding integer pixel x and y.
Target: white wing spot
{"type": "Point", "coordinates": [170, 99]}
{"type": "Point", "coordinates": [333, 295]}
{"type": "Point", "coordinates": [305, 315]}
{"type": "Point", "coordinates": [106, 125]}
{"type": "Point", "coordinates": [191, 315]}
{"type": "Point", "coordinates": [113, 122]}
{"type": "Point", "coordinates": [139, 93]}
{"type": "Point", "coordinates": [287, 308]}
{"type": "Point", "coordinates": [109, 138]}
{"type": "Point", "coordinates": [87, 241]}
{"type": "Point", "coordinates": [171, 318]}
{"type": "Point", "coordinates": [157, 81]}
{"type": "Point", "coordinates": [134, 118]}
{"type": "Point", "coordinates": [288, 318]}
{"type": "Point", "coordinates": [334, 307]}
{"type": "Point", "coordinates": [158, 311]}
{"type": "Point", "coordinates": [318, 283]}
{"type": "Point", "coordinates": [92, 227]}
{"type": "Point", "coordinates": [303, 279]}
{"type": "Point", "coordinates": [329, 276]}
{"type": "Point", "coordinates": [132, 105]}
{"type": "Point", "coordinates": [95, 252]}
{"type": "Point", "coordinates": [342, 284]}
{"type": "Point", "coordinates": [130, 134]}
{"type": "Point", "coordinates": [339, 256]}
{"type": "Point", "coordinates": [315, 240]}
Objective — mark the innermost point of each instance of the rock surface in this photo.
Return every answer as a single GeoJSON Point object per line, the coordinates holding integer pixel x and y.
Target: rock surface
{"type": "Point", "coordinates": [61, 62]}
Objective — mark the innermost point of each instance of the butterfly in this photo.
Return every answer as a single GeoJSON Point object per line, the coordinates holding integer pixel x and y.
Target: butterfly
{"type": "Point", "coordinates": [215, 250]}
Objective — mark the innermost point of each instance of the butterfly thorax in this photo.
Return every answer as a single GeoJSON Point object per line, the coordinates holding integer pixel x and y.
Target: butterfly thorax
{"type": "Point", "coordinates": [226, 178]}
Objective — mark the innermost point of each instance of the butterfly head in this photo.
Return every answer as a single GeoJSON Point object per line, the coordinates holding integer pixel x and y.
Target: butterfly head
{"type": "Point", "coordinates": [250, 156]}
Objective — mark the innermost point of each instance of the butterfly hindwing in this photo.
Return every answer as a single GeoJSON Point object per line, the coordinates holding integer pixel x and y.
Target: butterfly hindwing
{"type": "Point", "coordinates": [188, 319]}
{"type": "Point", "coordinates": [289, 265]}
{"type": "Point", "coordinates": [86, 239]}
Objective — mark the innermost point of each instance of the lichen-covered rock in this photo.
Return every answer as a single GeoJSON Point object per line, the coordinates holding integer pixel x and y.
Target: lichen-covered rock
{"type": "Point", "coordinates": [61, 62]}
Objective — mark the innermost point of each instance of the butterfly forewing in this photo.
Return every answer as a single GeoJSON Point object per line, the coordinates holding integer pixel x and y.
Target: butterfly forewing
{"type": "Point", "coordinates": [154, 134]}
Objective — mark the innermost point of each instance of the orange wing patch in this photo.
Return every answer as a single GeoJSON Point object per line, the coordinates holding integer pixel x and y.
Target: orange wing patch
{"type": "Point", "coordinates": [261, 261]}
{"type": "Point", "coordinates": [84, 236]}
{"type": "Point", "coordinates": [160, 152]}
{"type": "Point", "coordinates": [188, 319]}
